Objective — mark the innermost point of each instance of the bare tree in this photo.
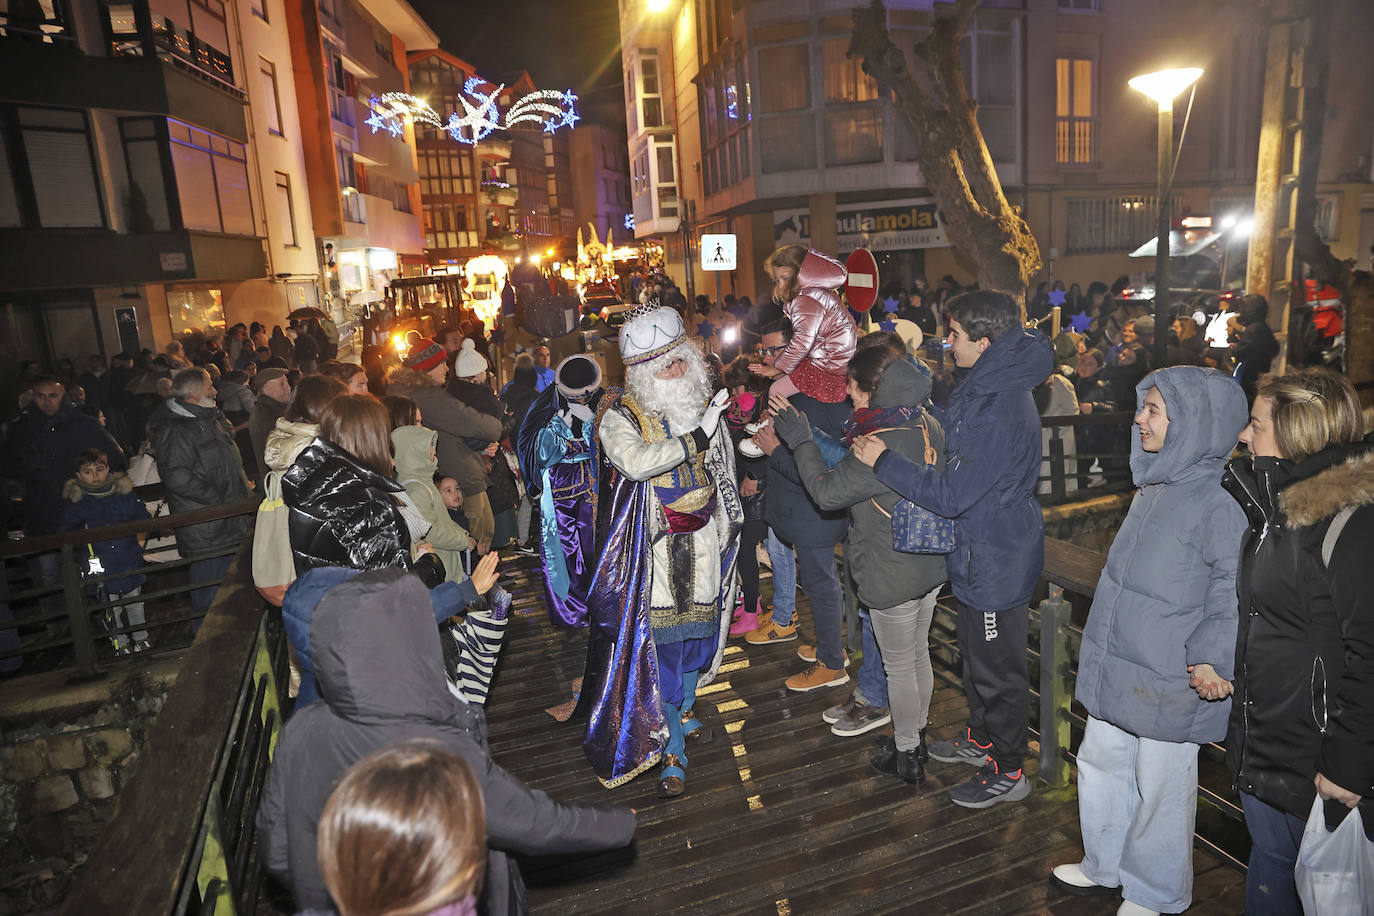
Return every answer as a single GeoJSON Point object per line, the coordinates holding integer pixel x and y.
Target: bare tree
{"type": "Point", "coordinates": [950, 150]}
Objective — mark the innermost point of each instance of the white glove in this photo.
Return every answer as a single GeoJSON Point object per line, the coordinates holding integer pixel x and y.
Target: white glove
{"type": "Point", "coordinates": [710, 419]}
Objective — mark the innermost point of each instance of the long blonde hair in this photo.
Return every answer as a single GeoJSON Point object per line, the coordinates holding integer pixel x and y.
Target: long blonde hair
{"type": "Point", "coordinates": [788, 256]}
{"type": "Point", "coordinates": [1313, 409]}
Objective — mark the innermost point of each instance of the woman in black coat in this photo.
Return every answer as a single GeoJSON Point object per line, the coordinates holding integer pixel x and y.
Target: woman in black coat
{"type": "Point", "coordinates": [345, 507]}
{"type": "Point", "coordinates": [1302, 724]}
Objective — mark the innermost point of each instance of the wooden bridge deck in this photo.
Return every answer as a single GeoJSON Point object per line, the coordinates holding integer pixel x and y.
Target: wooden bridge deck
{"type": "Point", "coordinates": [782, 817]}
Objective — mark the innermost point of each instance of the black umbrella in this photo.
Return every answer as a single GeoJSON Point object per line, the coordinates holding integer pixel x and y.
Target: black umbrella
{"type": "Point", "coordinates": [308, 312]}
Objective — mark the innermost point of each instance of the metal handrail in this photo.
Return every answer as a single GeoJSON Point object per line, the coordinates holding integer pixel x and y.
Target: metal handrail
{"type": "Point", "coordinates": [182, 838]}
{"type": "Point", "coordinates": [72, 584]}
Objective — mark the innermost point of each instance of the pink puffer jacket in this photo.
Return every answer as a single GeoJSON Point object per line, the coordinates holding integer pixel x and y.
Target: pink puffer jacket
{"type": "Point", "coordinates": [822, 330]}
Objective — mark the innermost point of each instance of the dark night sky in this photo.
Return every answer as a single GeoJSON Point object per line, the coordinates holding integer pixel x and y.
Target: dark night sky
{"type": "Point", "coordinates": [564, 44]}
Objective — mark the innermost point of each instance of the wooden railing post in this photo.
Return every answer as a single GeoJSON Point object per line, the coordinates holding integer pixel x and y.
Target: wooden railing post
{"type": "Point", "coordinates": [78, 618]}
{"type": "Point", "coordinates": [1056, 693]}
{"type": "Point", "coordinates": [1058, 488]}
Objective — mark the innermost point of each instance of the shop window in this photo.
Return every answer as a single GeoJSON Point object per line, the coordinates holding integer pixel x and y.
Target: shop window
{"type": "Point", "coordinates": [195, 310]}
{"type": "Point", "coordinates": [1075, 133]}
{"type": "Point", "coordinates": [212, 180]}
{"type": "Point", "coordinates": [286, 212]}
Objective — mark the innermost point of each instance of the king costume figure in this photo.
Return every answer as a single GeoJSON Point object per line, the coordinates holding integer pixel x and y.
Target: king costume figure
{"type": "Point", "coordinates": [558, 456]}
{"type": "Point", "coordinates": [668, 519]}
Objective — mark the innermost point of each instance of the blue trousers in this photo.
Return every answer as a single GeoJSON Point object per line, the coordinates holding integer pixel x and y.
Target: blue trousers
{"type": "Point", "coordinates": [1270, 888]}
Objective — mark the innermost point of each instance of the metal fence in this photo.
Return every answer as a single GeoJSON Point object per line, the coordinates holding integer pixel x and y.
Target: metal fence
{"type": "Point", "coordinates": [182, 839]}
{"type": "Point", "coordinates": [69, 621]}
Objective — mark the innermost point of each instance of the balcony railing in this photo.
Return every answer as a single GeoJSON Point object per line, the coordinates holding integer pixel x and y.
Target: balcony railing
{"type": "Point", "coordinates": [39, 25]}
{"type": "Point", "coordinates": [1075, 141]}
{"type": "Point", "coordinates": [132, 30]}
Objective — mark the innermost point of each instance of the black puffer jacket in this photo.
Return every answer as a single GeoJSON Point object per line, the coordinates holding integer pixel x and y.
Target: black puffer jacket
{"type": "Point", "coordinates": [200, 467]}
{"type": "Point", "coordinates": [342, 514]}
{"type": "Point", "coordinates": [1304, 701]}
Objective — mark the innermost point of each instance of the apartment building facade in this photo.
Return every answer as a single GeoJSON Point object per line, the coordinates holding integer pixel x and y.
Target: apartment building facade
{"type": "Point", "coordinates": [750, 118]}
{"type": "Point", "coordinates": [601, 191]}
{"type": "Point", "coordinates": [363, 182]}
{"type": "Point", "coordinates": [506, 186]}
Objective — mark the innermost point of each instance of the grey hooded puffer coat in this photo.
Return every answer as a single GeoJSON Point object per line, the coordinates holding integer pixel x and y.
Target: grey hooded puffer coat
{"type": "Point", "coordinates": [380, 672]}
{"type": "Point", "coordinates": [1167, 596]}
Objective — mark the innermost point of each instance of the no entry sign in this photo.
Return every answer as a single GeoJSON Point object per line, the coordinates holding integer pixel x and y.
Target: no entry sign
{"type": "Point", "coordinates": [862, 288]}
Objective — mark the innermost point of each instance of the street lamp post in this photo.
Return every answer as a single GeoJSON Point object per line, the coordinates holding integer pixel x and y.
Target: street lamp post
{"type": "Point", "coordinates": [1163, 86]}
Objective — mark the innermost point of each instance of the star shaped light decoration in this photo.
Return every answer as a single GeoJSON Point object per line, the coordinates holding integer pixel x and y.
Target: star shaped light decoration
{"type": "Point", "coordinates": [706, 329]}
{"type": "Point", "coordinates": [889, 306]}
{"type": "Point", "coordinates": [1081, 322]}
{"type": "Point", "coordinates": [1058, 297]}
{"type": "Point", "coordinates": [887, 324]}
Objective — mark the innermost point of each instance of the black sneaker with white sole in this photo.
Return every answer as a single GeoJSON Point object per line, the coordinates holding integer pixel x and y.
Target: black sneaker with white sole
{"type": "Point", "coordinates": [990, 786]}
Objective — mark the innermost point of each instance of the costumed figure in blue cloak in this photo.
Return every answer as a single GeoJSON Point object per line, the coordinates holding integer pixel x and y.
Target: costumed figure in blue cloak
{"type": "Point", "coordinates": [558, 457]}
{"type": "Point", "coordinates": [668, 520]}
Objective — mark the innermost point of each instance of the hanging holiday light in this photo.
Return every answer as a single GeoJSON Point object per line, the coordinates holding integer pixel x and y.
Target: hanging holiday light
{"type": "Point", "coordinates": [481, 114]}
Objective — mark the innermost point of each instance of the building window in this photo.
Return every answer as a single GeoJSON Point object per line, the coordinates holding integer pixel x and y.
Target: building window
{"type": "Point", "coordinates": [651, 100]}
{"type": "Point", "coordinates": [1328, 216]}
{"type": "Point", "coordinates": [260, 10]}
{"type": "Point", "coordinates": [212, 180]}
{"type": "Point", "coordinates": [1075, 137]}
{"type": "Point", "coordinates": [340, 100]}
{"type": "Point", "coordinates": [286, 212]}
{"type": "Point", "coordinates": [449, 226]}
{"type": "Point", "coordinates": [145, 201]}
{"type": "Point", "coordinates": [853, 136]}
{"type": "Point", "coordinates": [271, 100]}
{"type": "Point", "coordinates": [51, 181]}
{"type": "Point", "coordinates": [787, 144]}
{"type": "Point", "coordinates": [1081, 5]}
{"type": "Point", "coordinates": [845, 80]}
{"type": "Point", "coordinates": [348, 174]}
{"type": "Point", "coordinates": [784, 78]}
{"type": "Point", "coordinates": [1114, 225]}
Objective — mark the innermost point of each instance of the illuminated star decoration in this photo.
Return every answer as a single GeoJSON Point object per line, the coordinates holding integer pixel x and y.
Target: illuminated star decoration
{"type": "Point", "coordinates": [1058, 297]}
{"type": "Point", "coordinates": [706, 329]}
{"type": "Point", "coordinates": [889, 306]}
{"type": "Point", "coordinates": [1081, 322]}
{"type": "Point", "coordinates": [887, 324]}
{"type": "Point", "coordinates": [629, 220]}
{"type": "Point", "coordinates": [548, 109]}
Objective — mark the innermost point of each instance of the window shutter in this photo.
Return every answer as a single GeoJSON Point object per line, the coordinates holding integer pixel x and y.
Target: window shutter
{"type": "Point", "coordinates": [63, 179]}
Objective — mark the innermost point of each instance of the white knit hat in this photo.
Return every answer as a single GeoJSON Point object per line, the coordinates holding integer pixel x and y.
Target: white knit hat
{"type": "Point", "coordinates": [649, 331]}
{"type": "Point", "coordinates": [469, 362]}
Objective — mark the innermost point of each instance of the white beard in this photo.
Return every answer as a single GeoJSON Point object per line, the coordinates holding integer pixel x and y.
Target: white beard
{"type": "Point", "coordinates": [680, 401]}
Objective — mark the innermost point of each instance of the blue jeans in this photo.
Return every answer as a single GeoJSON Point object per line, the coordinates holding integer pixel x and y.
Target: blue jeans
{"type": "Point", "coordinates": [784, 579]}
{"type": "Point", "coordinates": [204, 571]}
{"type": "Point", "coordinates": [872, 681]}
{"type": "Point", "coordinates": [820, 580]}
{"type": "Point", "coordinates": [1137, 804]}
{"type": "Point", "coordinates": [1270, 888]}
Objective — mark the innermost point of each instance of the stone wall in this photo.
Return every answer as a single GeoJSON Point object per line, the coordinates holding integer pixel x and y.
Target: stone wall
{"type": "Point", "coordinates": [1090, 523]}
{"type": "Point", "coordinates": [65, 750]}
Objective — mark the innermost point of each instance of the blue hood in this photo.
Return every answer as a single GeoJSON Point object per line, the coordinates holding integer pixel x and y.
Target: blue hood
{"type": "Point", "coordinates": [1206, 410]}
{"type": "Point", "coordinates": [297, 609]}
{"type": "Point", "coordinates": [1017, 361]}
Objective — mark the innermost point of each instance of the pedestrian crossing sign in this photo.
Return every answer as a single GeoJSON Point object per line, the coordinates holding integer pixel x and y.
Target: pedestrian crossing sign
{"type": "Point", "coordinates": [718, 252]}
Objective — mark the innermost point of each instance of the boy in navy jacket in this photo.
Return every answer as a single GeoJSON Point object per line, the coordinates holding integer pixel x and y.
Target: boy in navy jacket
{"type": "Point", "coordinates": [993, 447]}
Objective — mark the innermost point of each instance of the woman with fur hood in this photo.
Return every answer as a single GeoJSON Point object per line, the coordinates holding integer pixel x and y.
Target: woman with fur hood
{"type": "Point", "coordinates": [1302, 725]}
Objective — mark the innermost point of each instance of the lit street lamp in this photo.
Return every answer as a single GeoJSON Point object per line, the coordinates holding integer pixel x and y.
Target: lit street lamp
{"type": "Point", "coordinates": [1164, 86]}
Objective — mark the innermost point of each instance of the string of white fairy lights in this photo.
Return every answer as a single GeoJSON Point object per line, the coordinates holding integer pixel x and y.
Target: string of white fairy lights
{"type": "Point", "coordinates": [546, 108]}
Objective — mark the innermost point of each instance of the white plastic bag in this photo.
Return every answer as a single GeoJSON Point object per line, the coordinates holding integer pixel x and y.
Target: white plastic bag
{"type": "Point", "coordinates": [1335, 871]}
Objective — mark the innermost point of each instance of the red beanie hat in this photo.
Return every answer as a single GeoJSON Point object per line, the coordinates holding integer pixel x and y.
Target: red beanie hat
{"type": "Point", "coordinates": [424, 355]}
